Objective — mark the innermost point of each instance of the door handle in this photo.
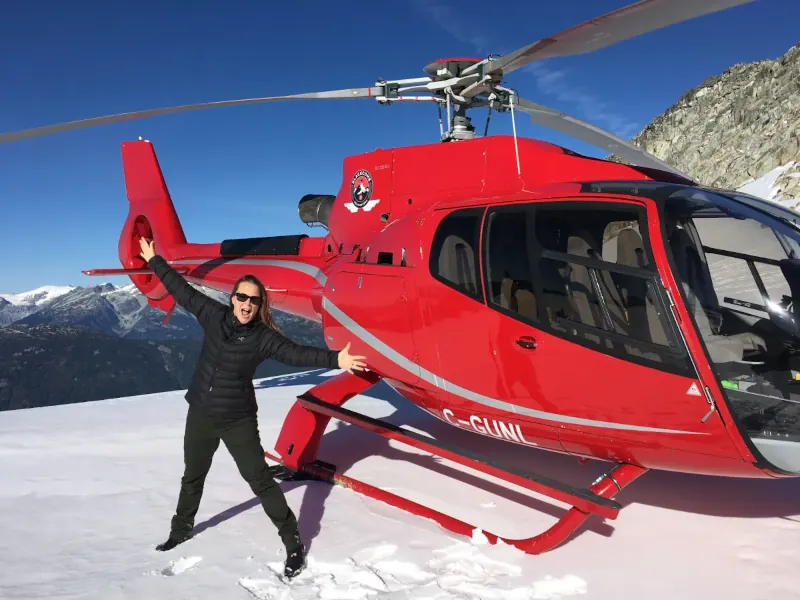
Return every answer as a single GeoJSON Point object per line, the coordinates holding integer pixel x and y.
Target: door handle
{"type": "Point", "coordinates": [527, 342]}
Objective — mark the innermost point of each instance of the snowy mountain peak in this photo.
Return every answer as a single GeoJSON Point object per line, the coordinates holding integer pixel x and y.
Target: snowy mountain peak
{"type": "Point", "coordinates": [37, 297]}
{"type": "Point", "coordinates": [130, 289]}
{"type": "Point", "coordinates": [122, 310]}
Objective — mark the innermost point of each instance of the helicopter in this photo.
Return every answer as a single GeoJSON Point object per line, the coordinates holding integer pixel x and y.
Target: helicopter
{"type": "Point", "coordinates": [471, 285]}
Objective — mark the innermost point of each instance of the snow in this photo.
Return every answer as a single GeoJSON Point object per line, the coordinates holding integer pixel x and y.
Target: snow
{"type": "Point", "coordinates": [38, 296]}
{"type": "Point", "coordinates": [764, 186]}
{"type": "Point", "coordinates": [88, 491]}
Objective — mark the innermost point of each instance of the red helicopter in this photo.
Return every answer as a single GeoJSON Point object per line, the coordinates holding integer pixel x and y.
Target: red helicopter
{"type": "Point", "coordinates": [471, 270]}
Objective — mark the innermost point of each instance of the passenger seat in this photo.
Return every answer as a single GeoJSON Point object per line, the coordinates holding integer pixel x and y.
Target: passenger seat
{"type": "Point", "coordinates": [582, 288]}
{"type": "Point", "coordinates": [456, 259]}
{"type": "Point", "coordinates": [642, 311]}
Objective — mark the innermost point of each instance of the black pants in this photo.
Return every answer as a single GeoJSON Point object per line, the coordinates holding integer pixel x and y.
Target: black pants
{"type": "Point", "coordinates": [241, 437]}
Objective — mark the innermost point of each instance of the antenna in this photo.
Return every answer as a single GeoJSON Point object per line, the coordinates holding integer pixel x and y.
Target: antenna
{"type": "Point", "coordinates": [514, 129]}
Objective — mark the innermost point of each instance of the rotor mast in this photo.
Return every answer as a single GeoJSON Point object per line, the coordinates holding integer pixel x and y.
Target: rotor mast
{"type": "Point", "coordinates": [455, 85]}
{"type": "Point", "coordinates": [449, 72]}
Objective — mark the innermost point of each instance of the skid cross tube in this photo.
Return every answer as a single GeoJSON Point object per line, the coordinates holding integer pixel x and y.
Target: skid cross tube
{"type": "Point", "coordinates": [607, 485]}
{"type": "Point", "coordinates": [301, 432]}
{"type": "Point", "coordinates": [585, 500]}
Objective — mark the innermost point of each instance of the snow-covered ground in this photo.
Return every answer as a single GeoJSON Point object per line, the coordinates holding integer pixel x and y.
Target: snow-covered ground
{"type": "Point", "coordinates": [88, 490]}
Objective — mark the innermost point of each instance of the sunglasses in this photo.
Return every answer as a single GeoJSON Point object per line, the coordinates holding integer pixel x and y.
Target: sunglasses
{"type": "Point", "coordinates": [254, 300]}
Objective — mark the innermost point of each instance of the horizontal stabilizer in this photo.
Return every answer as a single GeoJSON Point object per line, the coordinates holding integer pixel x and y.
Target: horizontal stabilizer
{"type": "Point", "coordinates": [144, 271]}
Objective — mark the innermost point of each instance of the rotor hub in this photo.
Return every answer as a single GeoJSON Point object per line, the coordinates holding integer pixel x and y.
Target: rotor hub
{"type": "Point", "coordinates": [447, 68]}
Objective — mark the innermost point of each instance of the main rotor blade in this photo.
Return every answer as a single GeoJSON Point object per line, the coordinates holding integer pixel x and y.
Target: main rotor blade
{"type": "Point", "coordinates": [58, 128]}
{"type": "Point", "coordinates": [622, 24]}
{"type": "Point", "coordinates": [552, 119]}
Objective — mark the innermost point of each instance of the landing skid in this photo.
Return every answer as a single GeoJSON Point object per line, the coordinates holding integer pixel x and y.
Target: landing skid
{"type": "Point", "coordinates": [306, 422]}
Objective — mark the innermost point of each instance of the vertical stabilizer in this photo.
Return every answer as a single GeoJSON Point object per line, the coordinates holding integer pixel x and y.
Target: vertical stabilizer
{"type": "Point", "coordinates": [151, 214]}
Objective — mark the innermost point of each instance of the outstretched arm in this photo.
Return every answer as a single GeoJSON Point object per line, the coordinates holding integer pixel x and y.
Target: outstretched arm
{"type": "Point", "coordinates": [197, 303]}
{"type": "Point", "coordinates": [278, 347]}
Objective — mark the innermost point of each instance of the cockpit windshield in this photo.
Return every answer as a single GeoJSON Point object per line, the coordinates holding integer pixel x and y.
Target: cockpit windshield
{"type": "Point", "coordinates": [738, 264]}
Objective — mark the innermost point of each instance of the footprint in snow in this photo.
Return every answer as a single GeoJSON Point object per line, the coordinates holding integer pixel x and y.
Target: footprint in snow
{"type": "Point", "coordinates": [368, 572]}
{"type": "Point", "coordinates": [176, 567]}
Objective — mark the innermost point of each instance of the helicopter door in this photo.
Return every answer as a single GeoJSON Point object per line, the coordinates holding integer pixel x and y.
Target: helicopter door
{"type": "Point", "coordinates": [581, 324]}
{"type": "Point", "coordinates": [452, 301]}
{"type": "Point", "coordinates": [457, 348]}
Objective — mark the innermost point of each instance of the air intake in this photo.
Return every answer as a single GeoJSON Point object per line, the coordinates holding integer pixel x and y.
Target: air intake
{"type": "Point", "coordinates": [315, 208]}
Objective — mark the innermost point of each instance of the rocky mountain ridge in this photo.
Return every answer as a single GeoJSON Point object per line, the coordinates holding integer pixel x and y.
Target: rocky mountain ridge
{"type": "Point", "coordinates": [123, 311]}
{"type": "Point", "coordinates": [64, 344]}
{"type": "Point", "coordinates": [736, 127]}
{"type": "Point", "coordinates": [48, 365]}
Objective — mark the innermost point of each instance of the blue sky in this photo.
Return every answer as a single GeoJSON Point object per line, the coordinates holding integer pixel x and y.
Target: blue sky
{"type": "Point", "coordinates": [239, 172]}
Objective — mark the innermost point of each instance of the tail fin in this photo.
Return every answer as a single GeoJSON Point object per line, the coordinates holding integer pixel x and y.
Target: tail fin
{"type": "Point", "coordinates": [151, 215]}
{"type": "Point", "coordinates": [151, 212]}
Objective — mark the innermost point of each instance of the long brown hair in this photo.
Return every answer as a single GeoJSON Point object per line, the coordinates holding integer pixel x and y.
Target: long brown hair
{"type": "Point", "coordinates": [264, 312]}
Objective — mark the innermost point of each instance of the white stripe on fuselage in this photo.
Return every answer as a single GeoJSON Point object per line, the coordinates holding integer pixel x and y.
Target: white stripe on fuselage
{"type": "Point", "coordinates": [417, 370]}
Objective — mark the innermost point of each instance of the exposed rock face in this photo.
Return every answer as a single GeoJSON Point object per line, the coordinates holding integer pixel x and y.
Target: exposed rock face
{"type": "Point", "coordinates": [735, 127]}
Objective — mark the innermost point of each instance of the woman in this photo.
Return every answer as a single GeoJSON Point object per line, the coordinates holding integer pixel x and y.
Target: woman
{"type": "Point", "coordinates": [222, 404]}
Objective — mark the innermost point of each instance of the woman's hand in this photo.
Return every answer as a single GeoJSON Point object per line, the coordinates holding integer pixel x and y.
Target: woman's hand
{"type": "Point", "coordinates": [349, 362]}
{"type": "Point", "coordinates": [148, 251]}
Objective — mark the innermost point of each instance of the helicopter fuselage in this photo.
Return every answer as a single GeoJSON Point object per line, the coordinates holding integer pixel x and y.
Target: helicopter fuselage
{"type": "Point", "coordinates": [455, 273]}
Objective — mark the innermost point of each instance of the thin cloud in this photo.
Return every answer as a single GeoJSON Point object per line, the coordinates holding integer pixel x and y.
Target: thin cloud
{"type": "Point", "coordinates": [446, 18]}
{"type": "Point", "coordinates": [591, 107]}
{"type": "Point", "coordinates": [550, 82]}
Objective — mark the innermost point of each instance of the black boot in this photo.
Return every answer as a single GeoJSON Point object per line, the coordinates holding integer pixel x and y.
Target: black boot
{"type": "Point", "coordinates": [295, 556]}
{"type": "Point", "coordinates": [295, 562]}
{"type": "Point", "coordinates": [174, 540]}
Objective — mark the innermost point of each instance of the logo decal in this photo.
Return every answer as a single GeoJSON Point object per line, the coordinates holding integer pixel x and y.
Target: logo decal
{"type": "Point", "coordinates": [361, 192]}
{"type": "Point", "coordinates": [693, 390]}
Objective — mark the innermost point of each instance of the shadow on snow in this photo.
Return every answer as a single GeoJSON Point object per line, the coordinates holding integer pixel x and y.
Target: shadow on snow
{"type": "Point", "coordinates": [346, 445]}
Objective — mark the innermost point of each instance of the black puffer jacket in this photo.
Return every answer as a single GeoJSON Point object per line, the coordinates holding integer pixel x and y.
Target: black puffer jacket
{"type": "Point", "coordinates": [223, 379]}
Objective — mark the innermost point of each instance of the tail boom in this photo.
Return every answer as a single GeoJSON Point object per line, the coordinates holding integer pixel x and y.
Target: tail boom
{"type": "Point", "coordinates": [290, 266]}
{"type": "Point", "coordinates": [294, 282]}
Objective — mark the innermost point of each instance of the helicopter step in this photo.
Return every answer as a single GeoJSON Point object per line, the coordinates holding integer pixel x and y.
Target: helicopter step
{"type": "Point", "coordinates": [597, 500]}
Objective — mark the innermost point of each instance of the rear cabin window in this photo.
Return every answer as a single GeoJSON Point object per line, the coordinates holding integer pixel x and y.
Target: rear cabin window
{"type": "Point", "coordinates": [454, 252]}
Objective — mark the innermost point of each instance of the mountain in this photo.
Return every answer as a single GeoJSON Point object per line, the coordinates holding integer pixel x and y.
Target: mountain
{"type": "Point", "coordinates": [736, 127]}
{"type": "Point", "coordinates": [45, 365]}
{"type": "Point", "coordinates": [48, 365]}
{"type": "Point", "coordinates": [62, 344]}
{"type": "Point", "coordinates": [124, 312]}
{"type": "Point", "coordinates": [36, 297]}
{"type": "Point", "coordinates": [17, 306]}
